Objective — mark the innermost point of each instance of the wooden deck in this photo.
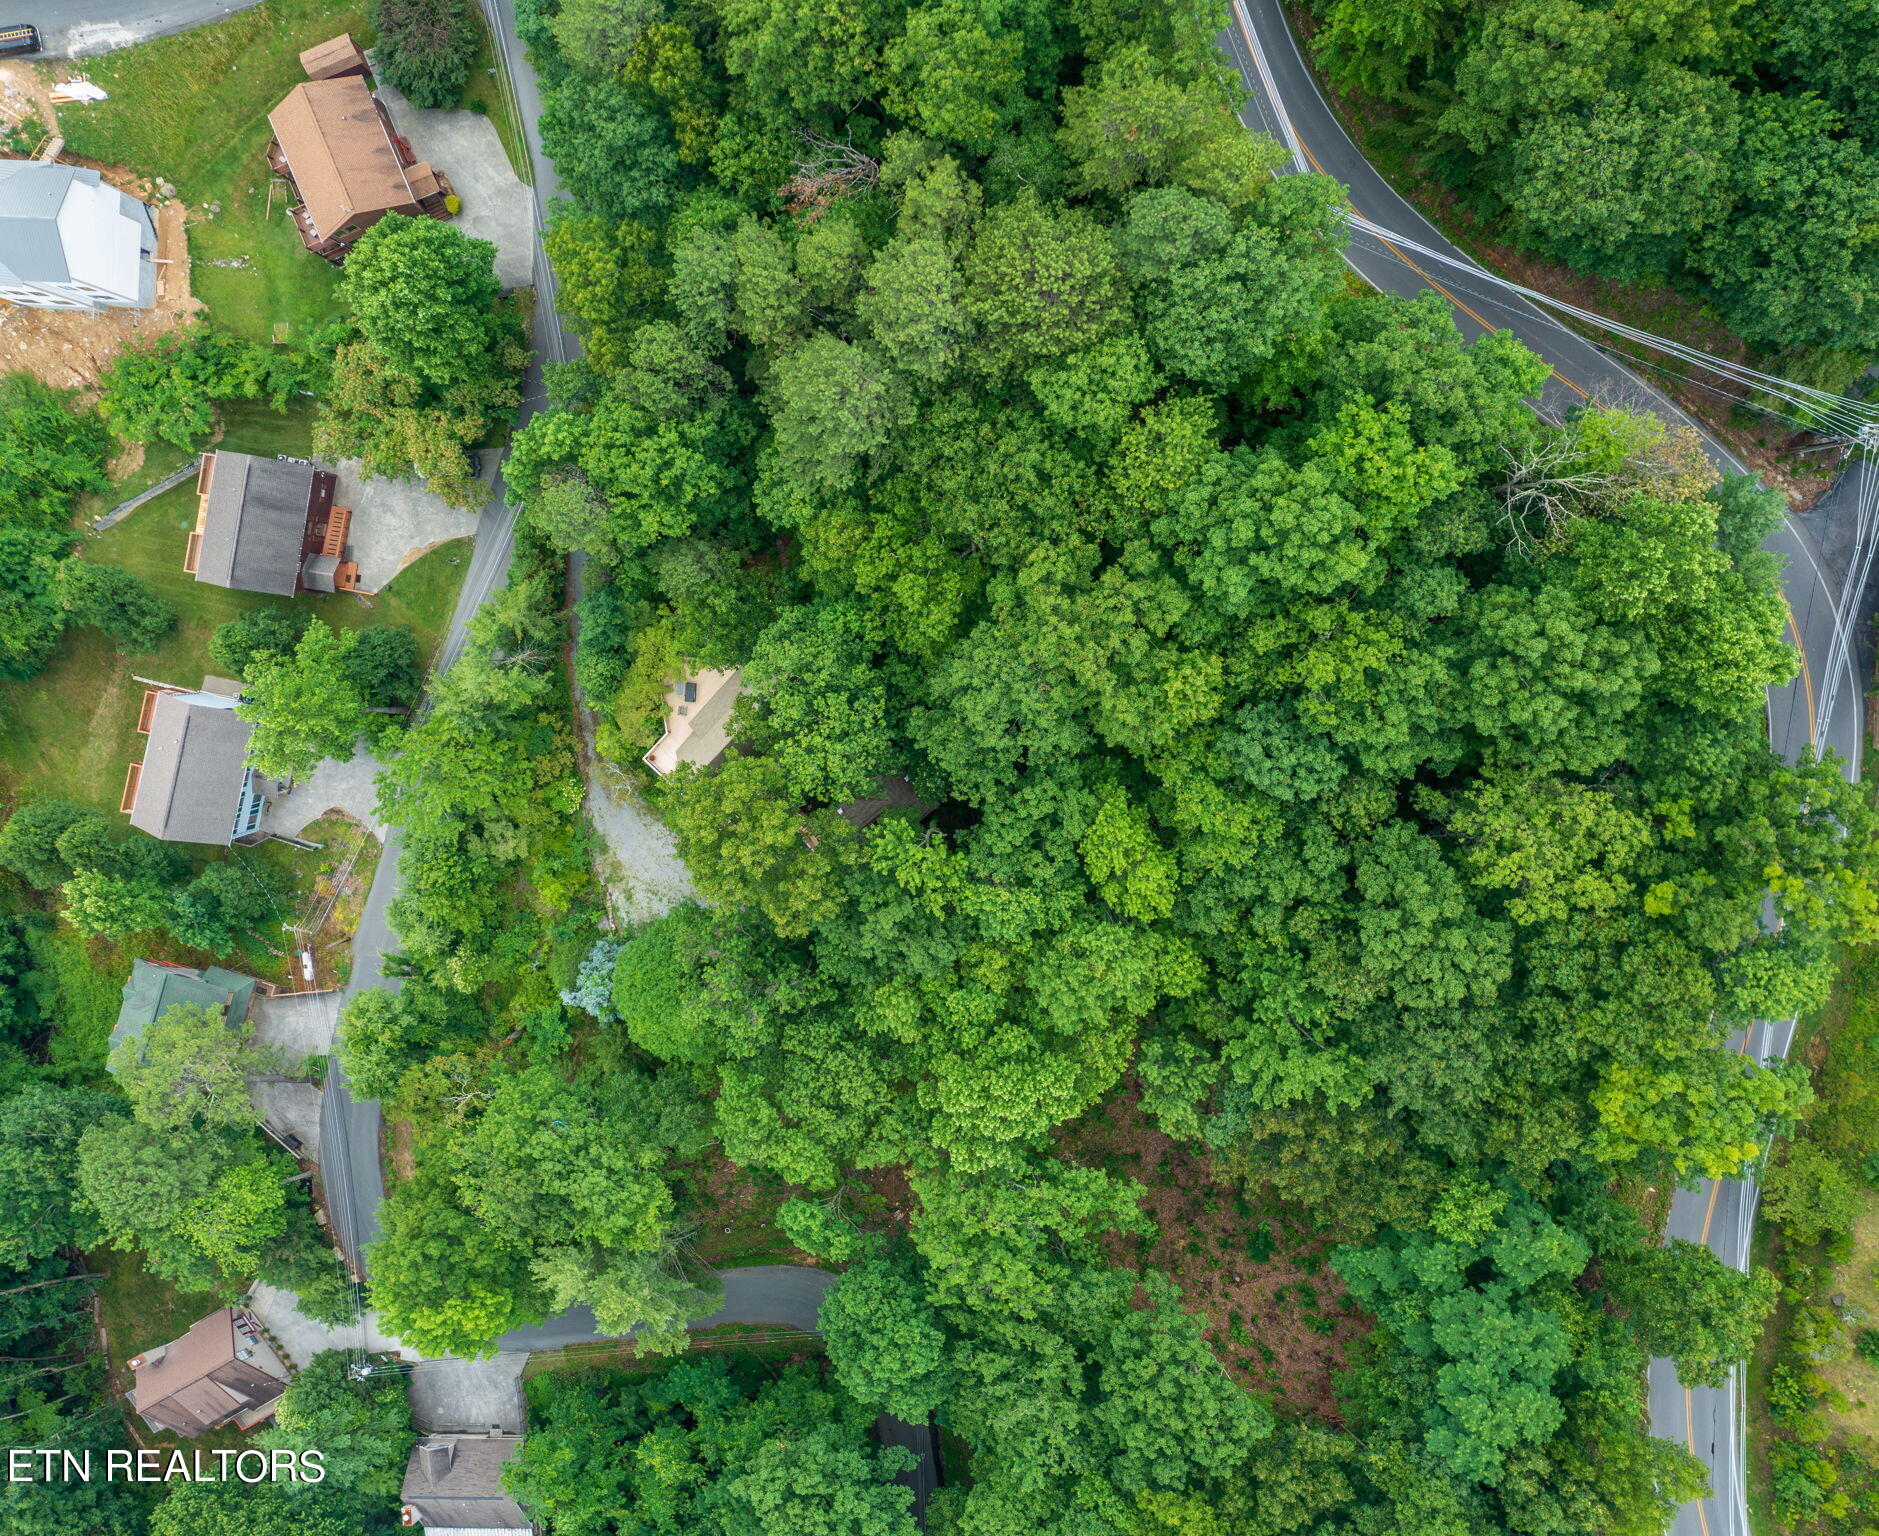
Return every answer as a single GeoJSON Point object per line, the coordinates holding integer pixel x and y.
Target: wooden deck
{"type": "Point", "coordinates": [129, 802]}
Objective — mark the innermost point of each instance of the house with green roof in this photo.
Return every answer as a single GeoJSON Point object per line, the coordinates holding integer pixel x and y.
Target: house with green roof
{"type": "Point", "coordinates": [155, 987]}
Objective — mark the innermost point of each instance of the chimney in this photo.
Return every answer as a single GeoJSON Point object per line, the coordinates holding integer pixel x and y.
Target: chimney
{"type": "Point", "coordinates": [438, 1455]}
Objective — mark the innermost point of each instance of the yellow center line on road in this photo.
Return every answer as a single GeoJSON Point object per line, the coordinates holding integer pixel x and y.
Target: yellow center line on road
{"type": "Point", "coordinates": [1807, 680]}
{"type": "Point", "coordinates": [1403, 257]}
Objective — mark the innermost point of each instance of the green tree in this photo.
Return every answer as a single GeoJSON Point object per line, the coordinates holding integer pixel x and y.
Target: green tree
{"type": "Point", "coordinates": [362, 1429]}
{"type": "Point", "coordinates": [168, 387]}
{"type": "Point", "coordinates": [425, 48]}
{"type": "Point", "coordinates": [308, 706]}
{"type": "Point", "coordinates": [191, 1067]}
{"type": "Point", "coordinates": [115, 601]}
{"type": "Point", "coordinates": [114, 906]}
{"type": "Point", "coordinates": [1687, 1304]}
{"type": "Point", "coordinates": [39, 1133]}
{"type": "Point", "coordinates": [51, 451]}
{"type": "Point", "coordinates": [838, 405]}
{"type": "Point", "coordinates": [259, 632]}
{"type": "Point", "coordinates": [29, 841]}
{"type": "Point", "coordinates": [31, 620]}
{"type": "Point", "coordinates": [812, 702]}
{"type": "Point", "coordinates": [952, 77]}
{"type": "Point", "coordinates": [423, 295]}
{"type": "Point", "coordinates": [227, 900]}
{"type": "Point", "coordinates": [1040, 282]}
{"type": "Point", "coordinates": [1810, 1193]}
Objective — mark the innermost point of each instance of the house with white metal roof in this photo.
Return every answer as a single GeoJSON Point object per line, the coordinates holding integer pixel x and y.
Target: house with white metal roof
{"type": "Point", "coordinates": [69, 241]}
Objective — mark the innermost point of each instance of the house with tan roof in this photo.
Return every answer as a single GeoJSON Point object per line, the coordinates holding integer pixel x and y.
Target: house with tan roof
{"type": "Point", "coordinates": [697, 721]}
{"type": "Point", "coordinates": [334, 140]}
{"type": "Point", "coordinates": [222, 1370]}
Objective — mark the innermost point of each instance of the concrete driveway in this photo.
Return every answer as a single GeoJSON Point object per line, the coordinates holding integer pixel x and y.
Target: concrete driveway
{"type": "Point", "coordinates": [331, 786]}
{"type": "Point", "coordinates": [465, 147]}
{"type": "Point", "coordinates": [395, 521]}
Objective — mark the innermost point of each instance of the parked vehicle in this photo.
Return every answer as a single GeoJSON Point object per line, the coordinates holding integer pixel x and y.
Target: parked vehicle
{"type": "Point", "coordinates": [18, 37]}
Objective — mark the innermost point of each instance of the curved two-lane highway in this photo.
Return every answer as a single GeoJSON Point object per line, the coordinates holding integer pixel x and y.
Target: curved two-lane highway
{"type": "Point", "coordinates": [1284, 102]}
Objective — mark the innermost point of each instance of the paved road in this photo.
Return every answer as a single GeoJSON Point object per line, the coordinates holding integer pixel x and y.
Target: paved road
{"type": "Point", "coordinates": [1285, 103]}
{"type": "Point", "coordinates": [73, 28]}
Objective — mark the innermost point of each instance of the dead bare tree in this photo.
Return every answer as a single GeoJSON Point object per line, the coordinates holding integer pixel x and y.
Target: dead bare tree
{"type": "Point", "coordinates": [829, 170]}
{"type": "Point", "coordinates": [1618, 450]}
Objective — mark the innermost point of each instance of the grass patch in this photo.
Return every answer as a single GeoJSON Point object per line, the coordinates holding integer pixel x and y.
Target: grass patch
{"type": "Point", "coordinates": [487, 93]}
{"type": "Point", "coordinates": [192, 109]}
{"type": "Point", "coordinates": [72, 731]}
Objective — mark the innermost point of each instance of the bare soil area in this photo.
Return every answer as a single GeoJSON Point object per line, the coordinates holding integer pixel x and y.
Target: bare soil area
{"type": "Point", "coordinates": [68, 349]}
{"type": "Point", "coordinates": [1275, 1312]}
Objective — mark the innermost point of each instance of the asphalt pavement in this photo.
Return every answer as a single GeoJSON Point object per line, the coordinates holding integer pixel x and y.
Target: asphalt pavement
{"type": "Point", "coordinates": [75, 28]}
{"type": "Point", "coordinates": [1284, 102]}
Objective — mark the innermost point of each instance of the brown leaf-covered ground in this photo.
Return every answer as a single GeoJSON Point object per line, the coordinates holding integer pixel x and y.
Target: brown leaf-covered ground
{"type": "Point", "coordinates": [1276, 1313]}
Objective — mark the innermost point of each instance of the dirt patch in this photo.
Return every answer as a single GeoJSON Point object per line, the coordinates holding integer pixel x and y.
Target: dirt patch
{"type": "Point", "coordinates": [1276, 1313]}
{"type": "Point", "coordinates": [734, 1211]}
{"type": "Point", "coordinates": [400, 1150]}
{"type": "Point", "coordinates": [70, 348]}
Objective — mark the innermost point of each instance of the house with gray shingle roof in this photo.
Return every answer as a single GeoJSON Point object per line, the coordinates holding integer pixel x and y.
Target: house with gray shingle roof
{"type": "Point", "coordinates": [269, 525]}
{"type": "Point", "coordinates": [69, 241]}
{"type": "Point", "coordinates": [154, 987]}
{"type": "Point", "coordinates": [453, 1486]}
{"type": "Point", "coordinates": [194, 784]}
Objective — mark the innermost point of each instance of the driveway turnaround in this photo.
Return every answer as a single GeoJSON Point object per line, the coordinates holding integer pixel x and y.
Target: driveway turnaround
{"type": "Point", "coordinates": [496, 205]}
{"type": "Point", "coordinates": [394, 521]}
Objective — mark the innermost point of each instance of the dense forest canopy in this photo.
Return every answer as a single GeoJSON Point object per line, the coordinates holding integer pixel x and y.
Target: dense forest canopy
{"type": "Point", "coordinates": [1727, 146]}
{"type": "Point", "coordinates": [1367, 777]}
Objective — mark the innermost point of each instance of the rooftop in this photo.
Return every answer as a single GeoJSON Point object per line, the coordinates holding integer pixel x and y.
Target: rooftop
{"type": "Point", "coordinates": [194, 769]}
{"type": "Point", "coordinates": [453, 1483]}
{"type": "Point", "coordinates": [153, 988]}
{"type": "Point", "coordinates": [254, 518]}
{"type": "Point", "coordinates": [341, 153]}
{"type": "Point", "coordinates": [698, 718]}
{"type": "Point", "coordinates": [220, 1370]}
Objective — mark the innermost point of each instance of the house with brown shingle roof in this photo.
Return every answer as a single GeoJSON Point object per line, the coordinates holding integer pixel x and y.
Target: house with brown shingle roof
{"type": "Point", "coordinates": [334, 140]}
{"type": "Point", "coordinates": [221, 1370]}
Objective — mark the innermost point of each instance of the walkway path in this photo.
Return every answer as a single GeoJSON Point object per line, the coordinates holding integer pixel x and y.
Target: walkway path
{"type": "Point", "coordinates": [124, 508]}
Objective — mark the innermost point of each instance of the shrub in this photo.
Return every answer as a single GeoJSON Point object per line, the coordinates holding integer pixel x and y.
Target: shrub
{"type": "Point", "coordinates": [425, 48]}
{"type": "Point", "coordinates": [115, 601]}
{"type": "Point", "coordinates": [265, 632]}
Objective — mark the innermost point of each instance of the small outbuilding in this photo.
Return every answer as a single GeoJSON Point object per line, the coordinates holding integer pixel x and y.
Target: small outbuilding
{"type": "Point", "coordinates": [453, 1486]}
{"type": "Point", "coordinates": [334, 59]}
{"type": "Point", "coordinates": [223, 1370]}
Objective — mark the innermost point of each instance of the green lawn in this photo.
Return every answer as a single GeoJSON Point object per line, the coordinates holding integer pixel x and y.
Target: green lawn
{"type": "Point", "coordinates": [72, 730]}
{"type": "Point", "coordinates": [487, 92]}
{"type": "Point", "coordinates": [192, 109]}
